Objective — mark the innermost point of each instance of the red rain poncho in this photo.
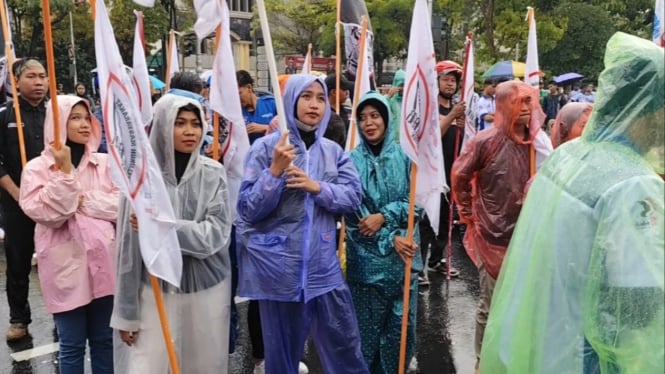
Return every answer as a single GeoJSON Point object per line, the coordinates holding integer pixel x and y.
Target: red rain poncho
{"type": "Point", "coordinates": [489, 177]}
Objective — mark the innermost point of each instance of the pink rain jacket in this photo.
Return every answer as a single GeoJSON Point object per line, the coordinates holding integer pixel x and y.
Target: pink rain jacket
{"type": "Point", "coordinates": [75, 215]}
{"type": "Point", "coordinates": [490, 175]}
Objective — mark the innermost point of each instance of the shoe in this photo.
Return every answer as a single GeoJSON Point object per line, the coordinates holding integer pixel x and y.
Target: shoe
{"type": "Point", "coordinates": [260, 367]}
{"type": "Point", "coordinates": [442, 268]}
{"type": "Point", "coordinates": [17, 331]}
{"type": "Point", "coordinates": [33, 261]}
{"type": "Point", "coordinates": [423, 280]}
{"type": "Point", "coordinates": [302, 368]}
{"type": "Point", "coordinates": [413, 366]}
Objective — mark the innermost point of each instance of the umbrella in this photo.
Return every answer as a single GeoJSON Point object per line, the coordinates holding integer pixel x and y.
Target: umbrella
{"type": "Point", "coordinates": [568, 78]}
{"type": "Point", "coordinates": [505, 70]}
{"type": "Point", "coordinates": [156, 83]}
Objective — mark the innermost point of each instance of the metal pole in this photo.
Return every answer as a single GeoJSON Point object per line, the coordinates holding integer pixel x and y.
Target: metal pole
{"type": "Point", "coordinates": [71, 37]}
{"type": "Point", "coordinates": [199, 67]}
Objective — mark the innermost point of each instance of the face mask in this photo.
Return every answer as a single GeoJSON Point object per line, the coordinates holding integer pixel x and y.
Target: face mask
{"type": "Point", "coordinates": [656, 158]}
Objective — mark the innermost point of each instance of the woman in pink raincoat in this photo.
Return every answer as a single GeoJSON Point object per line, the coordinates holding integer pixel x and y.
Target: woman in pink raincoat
{"type": "Point", "coordinates": [69, 194]}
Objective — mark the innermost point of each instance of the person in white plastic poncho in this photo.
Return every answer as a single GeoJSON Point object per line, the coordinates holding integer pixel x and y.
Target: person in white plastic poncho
{"type": "Point", "coordinates": [199, 310]}
{"type": "Point", "coordinates": [581, 289]}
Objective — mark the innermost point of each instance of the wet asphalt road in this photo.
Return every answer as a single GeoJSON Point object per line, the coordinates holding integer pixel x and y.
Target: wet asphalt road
{"type": "Point", "coordinates": [445, 330]}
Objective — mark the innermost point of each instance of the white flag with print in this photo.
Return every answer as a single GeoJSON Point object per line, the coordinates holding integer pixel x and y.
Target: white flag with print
{"type": "Point", "coordinates": [140, 73]}
{"type": "Point", "coordinates": [532, 71]}
{"type": "Point", "coordinates": [132, 163]}
{"type": "Point", "coordinates": [420, 135]}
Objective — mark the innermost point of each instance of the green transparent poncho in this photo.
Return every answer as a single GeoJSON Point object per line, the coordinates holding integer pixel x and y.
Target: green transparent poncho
{"type": "Point", "coordinates": [581, 288]}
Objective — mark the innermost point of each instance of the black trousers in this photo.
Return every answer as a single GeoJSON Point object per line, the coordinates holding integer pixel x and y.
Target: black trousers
{"type": "Point", "coordinates": [19, 247]}
{"type": "Point", "coordinates": [438, 242]}
{"type": "Point", "coordinates": [255, 331]}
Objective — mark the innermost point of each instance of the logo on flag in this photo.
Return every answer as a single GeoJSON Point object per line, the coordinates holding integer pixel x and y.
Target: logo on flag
{"type": "Point", "coordinates": [418, 97]}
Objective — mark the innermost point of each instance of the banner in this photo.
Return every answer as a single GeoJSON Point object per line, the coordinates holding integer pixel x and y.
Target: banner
{"type": "Point", "coordinates": [133, 165]}
{"type": "Point", "coordinates": [140, 73]}
{"type": "Point", "coordinates": [420, 135]}
{"type": "Point", "coordinates": [532, 71]}
{"type": "Point", "coordinates": [468, 94]}
{"type": "Point", "coordinates": [351, 12]}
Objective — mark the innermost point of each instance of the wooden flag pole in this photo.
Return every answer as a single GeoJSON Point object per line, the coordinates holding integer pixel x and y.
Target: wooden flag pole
{"type": "Point", "coordinates": [156, 289]}
{"type": "Point", "coordinates": [338, 55]}
{"type": "Point", "coordinates": [50, 63]}
{"type": "Point", "coordinates": [407, 269]}
{"type": "Point", "coordinates": [169, 47]}
{"type": "Point", "coordinates": [9, 53]}
{"type": "Point", "coordinates": [215, 115]}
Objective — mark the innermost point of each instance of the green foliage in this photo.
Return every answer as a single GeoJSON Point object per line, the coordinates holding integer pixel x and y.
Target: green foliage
{"type": "Point", "coordinates": [583, 45]}
{"type": "Point", "coordinates": [156, 25]}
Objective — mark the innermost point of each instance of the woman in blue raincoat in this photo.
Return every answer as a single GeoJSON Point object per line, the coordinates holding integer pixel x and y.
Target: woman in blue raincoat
{"type": "Point", "coordinates": [286, 236]}
{"type": "Point", "coordinates": [376, 239]}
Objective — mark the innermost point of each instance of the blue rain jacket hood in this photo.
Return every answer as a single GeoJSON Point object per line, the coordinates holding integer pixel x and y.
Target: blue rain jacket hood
{"type": "Point", "coordinates": [286, 238]}
{"type": "Point", "coordinates": [385, 180]}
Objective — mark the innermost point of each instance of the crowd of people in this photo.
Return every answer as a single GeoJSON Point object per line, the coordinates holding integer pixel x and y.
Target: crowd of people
{"type": "Point", "coordinates": [561, 195]}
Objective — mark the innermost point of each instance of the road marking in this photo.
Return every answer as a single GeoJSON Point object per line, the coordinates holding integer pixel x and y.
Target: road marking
{"type": "Point", "coordinates": [35, 352]}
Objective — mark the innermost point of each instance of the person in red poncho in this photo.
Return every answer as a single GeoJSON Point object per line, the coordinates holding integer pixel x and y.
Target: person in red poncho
{"type": "Point", "coordinates": [488, 181]}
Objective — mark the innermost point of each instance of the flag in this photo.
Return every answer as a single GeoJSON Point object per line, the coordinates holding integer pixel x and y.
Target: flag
{"type": "Point", "coordinates": [468, 94]}
{"type": "Point", "coordinates": [5, 81]}
{"type": "Point", "coordinates": [532, 71]}
{"type": "Point", "coordinates": [208, 17]}
{"type": "Point", "coordinates": [362, 86]}
{"type": "Point", "coordinates": [172, 63]}
{"type": "Point", "coordinates": [351, 12]}
{"type": "Point", "coordinates": [226, 102]}
{"type": "Point", "coordinates": [132, 163]}
{"type": "Point", "coordinates": [659, 23]}
{"type": "Point", "coordinates": [145, 3]}
{"type": "Point", "coordinates": [140, 74]}
{"type": "Point", "coordinates": [307, 64]}
{"type": "Point", "coordinates": [420, 135]}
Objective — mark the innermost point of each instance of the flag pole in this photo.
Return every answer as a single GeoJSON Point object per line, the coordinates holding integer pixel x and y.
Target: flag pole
{"type": "Point", "coordinates": [9, 53]}
{"type": "Point", "coordinates": [50, 62]}
{"type": "Point", "coordinates": [159, 300]}
{"type": "Point", "coordinates": [167, 73]}
{"type": "Point", "coordinates": [407, 269]}
{"type": "Point", "coordinates": [215, 115]}
{"type": "Point", "coordinates": [338, 55]}
{"type": "Point", "coordinates": [359, 78]}
{"type": "Point", "coordinates": [272, 66]}
{"type": "Point", "coordinates": [309, 53]}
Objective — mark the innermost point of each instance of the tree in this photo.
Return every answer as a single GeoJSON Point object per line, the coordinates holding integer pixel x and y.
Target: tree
{"type": "Point", "coordinates": [391, 24]}
{"type": "Point", "coordinates": [582, 47]}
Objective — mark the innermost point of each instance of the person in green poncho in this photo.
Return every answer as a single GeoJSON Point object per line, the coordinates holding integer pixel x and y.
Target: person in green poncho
{"type": "Point", "coordinates": [582, 287]}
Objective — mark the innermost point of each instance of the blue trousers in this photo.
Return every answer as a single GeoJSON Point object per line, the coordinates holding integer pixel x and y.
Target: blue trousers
{"type": "Point", "coordinates": [87, 323]}
{"type": "Point", "coordinates": [330, 320]}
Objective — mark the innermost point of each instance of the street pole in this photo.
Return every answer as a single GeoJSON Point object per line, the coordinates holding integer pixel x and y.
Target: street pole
{"type": "Point", "coordinates": [71, 37]}
{"type": "Point", "coordinates": [199, 67]}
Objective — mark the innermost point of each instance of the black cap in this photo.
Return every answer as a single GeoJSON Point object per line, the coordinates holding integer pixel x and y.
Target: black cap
{"type": "Point", "coordinates": [344, 83]}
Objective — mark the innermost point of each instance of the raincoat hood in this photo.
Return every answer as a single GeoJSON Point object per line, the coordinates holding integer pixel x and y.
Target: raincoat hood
{"type": "Point", "coordinates": [65, 105]}
{"type": "Point", "coordinates": [398, 80]}
{"type": "Point", "coordinates": [509, 96]}
{"type": "Point", "coordinates": [377, 100]}
{"type": "Point", "coordinates": [631, 95]}
{"type": "Point", "coordinates": [161, 134]}
{"type": "Point", "coordinates": [296, 84]}
{"type": "Point", "coordinates": [570, 122]}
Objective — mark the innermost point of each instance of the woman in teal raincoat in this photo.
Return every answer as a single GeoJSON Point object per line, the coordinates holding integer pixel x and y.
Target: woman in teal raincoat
{"type": "Point", "coordinates": [376, 239]}
{"type": "Point", "coordinates": [581, 289]}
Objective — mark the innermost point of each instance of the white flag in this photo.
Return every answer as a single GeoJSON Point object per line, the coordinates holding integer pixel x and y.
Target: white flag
{"type": "Point", "coordinates": [140, 73]}
{"type": "Point", "coordinates": [420, 135]}
{"type": "Point", "coordinates": [224, 99]}
{"type": "Point", "coordinates": [362, 86]}
{"type": "Point", "coordinates": [208, 17]}
{"type": "Point", "coordinates": [532, 71]}
{"type": "Point", "coordinates": [468, 94]}
{"type": "Point", "coordinates": [307, 64]}
{"type": "Point", "coordinates": [173, 63]}
{"type": "Point", "coordinates": [659, 23]}
{"type": "Point", "coordinates": [133, 165]}
{"type": "Point", "coordinates": [145, 3]}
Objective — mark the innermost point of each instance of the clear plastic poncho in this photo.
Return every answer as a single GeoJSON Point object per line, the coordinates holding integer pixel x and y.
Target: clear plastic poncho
{"type": "Point", "coordinates": [581, 289]}
{"type": "Point", "coordinates": [201, 205]}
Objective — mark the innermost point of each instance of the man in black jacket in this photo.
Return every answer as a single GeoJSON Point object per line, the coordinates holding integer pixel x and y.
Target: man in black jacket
{"type": "Point", "coordinates": [31, 81]}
